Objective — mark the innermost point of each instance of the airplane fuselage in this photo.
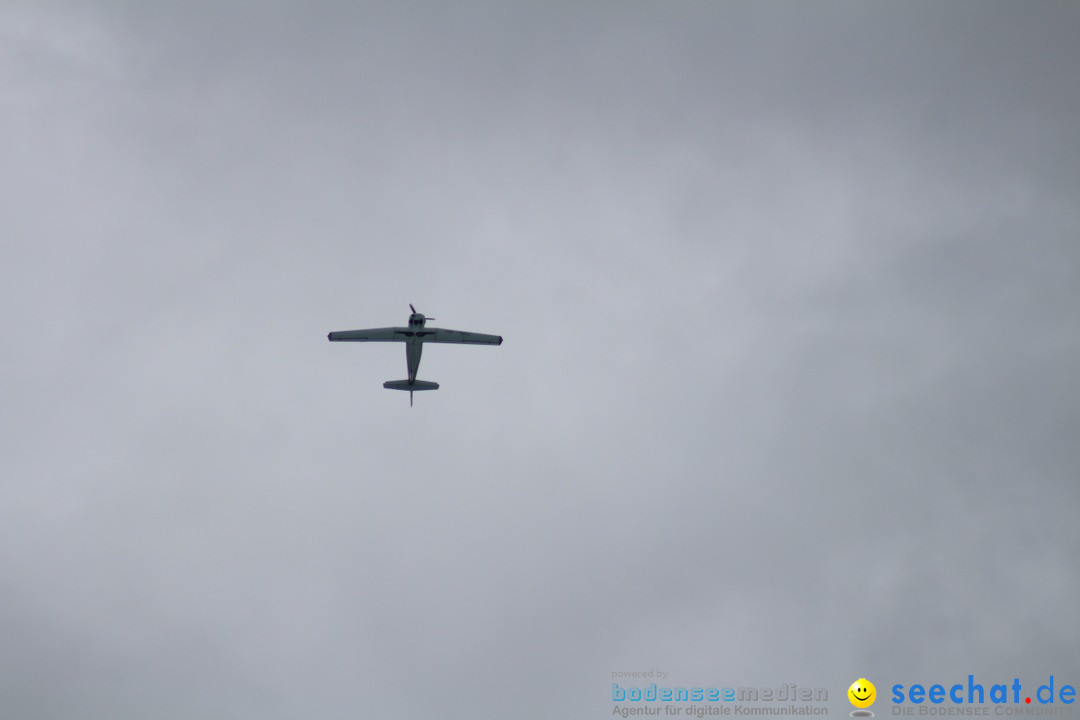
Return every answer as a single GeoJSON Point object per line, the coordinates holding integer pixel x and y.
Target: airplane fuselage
{"type": "Point", "coordinates": [414, 345]}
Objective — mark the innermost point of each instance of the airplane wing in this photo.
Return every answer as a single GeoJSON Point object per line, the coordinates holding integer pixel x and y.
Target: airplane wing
{"type": "Point", "coordinates": [389, 334]}
{"type": "Point", "coordinates": [442, 335]}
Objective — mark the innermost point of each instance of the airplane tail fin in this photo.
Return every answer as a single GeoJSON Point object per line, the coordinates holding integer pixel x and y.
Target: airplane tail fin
{"type": "Point", "coordinates": [410, 386]}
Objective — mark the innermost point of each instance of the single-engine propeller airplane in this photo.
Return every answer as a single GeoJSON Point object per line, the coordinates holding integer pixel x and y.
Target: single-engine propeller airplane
{"type": "Point", "coordinates": [414, 338]}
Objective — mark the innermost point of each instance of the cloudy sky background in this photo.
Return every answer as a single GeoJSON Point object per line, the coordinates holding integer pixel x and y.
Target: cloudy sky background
{"type": "Point", "coordinates": [790, 297]}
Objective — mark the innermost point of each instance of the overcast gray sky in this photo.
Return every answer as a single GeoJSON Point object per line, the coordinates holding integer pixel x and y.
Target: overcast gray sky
{"type": "Point", "coordinates": [789, 390]}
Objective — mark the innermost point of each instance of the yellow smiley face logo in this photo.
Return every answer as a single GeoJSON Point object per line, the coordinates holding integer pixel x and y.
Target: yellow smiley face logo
{"type": "Point", "coordinates": [862, 693]}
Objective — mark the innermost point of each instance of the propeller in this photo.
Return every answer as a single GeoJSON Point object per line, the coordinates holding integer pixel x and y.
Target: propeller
{"type": "Point", "coordinates": [416, 313]}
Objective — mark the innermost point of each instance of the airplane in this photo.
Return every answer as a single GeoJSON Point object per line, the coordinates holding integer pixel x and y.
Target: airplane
{"type": "Point", "coordinates": [414, 336]}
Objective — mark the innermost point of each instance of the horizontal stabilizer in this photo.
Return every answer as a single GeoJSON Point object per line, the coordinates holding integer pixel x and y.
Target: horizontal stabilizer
{"type": "Point", "coordinates": [416, 385]}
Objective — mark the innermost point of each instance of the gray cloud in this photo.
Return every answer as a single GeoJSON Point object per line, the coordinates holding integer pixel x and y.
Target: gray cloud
{"type": "Point", "coordinates": [787, 394]}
